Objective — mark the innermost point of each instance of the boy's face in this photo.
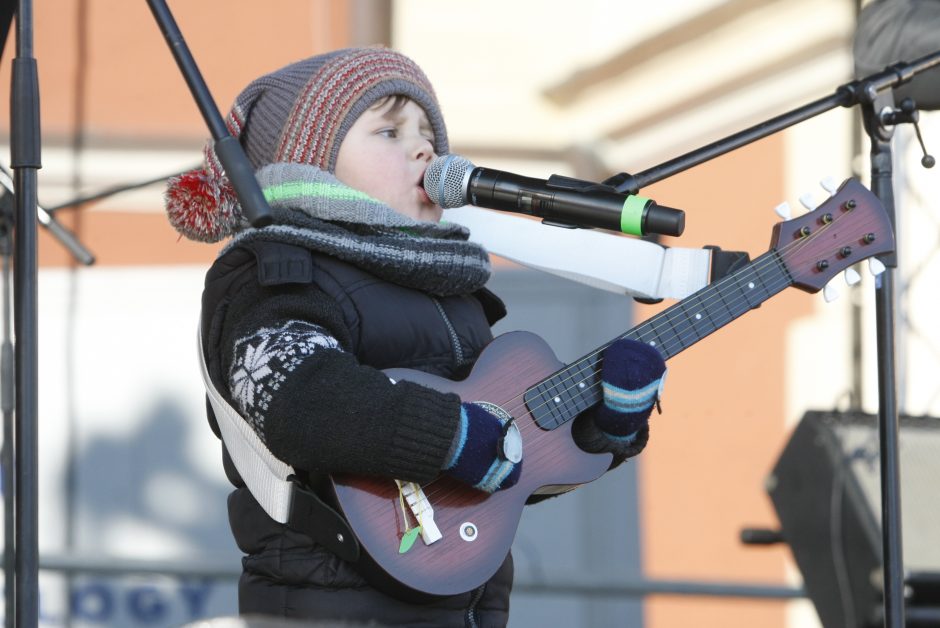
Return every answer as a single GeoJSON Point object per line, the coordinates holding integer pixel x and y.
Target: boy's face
{"type": "Point", "coordinates": [385, 154]}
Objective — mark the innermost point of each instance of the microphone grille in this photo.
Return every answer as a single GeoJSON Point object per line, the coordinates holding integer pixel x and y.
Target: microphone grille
{"type": "Point", "coordinates": [446, 180]}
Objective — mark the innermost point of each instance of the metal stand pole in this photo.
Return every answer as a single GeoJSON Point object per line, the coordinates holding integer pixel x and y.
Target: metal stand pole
{"type": "Point", "coordinates": [875, 95]}
{"type": "Point", "coordinates": [25, 141]}
{"type": "Point", "coordinates": [888, 425]}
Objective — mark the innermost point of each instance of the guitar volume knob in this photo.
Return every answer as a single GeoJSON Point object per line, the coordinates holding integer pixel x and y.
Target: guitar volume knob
{"type": "Point", "coordinates": [468, 531]}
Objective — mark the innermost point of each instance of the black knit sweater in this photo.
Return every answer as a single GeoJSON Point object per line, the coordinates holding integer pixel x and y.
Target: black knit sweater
{"type": "Point", "coordinates": [295, 363]}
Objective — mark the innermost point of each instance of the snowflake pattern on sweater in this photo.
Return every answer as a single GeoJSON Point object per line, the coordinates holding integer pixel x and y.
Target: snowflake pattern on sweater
{"type": "Point", "coordinates": [263, 359]}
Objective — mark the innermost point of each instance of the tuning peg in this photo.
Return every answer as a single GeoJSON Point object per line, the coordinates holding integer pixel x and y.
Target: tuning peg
{"type": "Point", "coordinates": [830, 293]}
{"type": "Point", "coordinates": [875, 266]}
{"type": "Point", "coordinates": [830, 185]}
{"type": "Point", "coordinates": [783, 210]}
{"type": "Point", "coordinates": [807, 201]}
{"type": "Point", "coordinates": [852, 277]}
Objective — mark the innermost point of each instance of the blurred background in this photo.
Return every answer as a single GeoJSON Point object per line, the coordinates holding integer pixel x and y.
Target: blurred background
{"type": "Point", "coordinates": [133, 525]}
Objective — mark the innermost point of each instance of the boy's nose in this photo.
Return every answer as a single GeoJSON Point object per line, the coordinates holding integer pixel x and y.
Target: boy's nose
{"type": "Point", "coordinates": [423, 150]}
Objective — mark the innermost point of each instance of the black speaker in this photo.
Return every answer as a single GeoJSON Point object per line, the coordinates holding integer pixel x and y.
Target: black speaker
{"type": "Point", "coordinates": [825, 488]}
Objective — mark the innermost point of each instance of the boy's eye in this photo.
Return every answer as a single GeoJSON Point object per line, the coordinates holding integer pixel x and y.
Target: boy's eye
{"type": "Point", "coordinates": [389, 132]}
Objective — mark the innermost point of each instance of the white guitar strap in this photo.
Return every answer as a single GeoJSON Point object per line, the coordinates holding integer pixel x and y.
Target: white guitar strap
{"type": "Point", "coordinates": [271, 481]}
{"type": "Point", "coordinates": [264, 475]}
{"type": "Point", "coordinates": [601, 260]}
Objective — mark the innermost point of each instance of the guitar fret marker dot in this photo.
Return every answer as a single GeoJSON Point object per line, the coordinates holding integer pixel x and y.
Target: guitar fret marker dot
{"type": "Point", "coordinates": [652, 343]}
{"type": "Point", "coordinates": [750, 285]}
{"type": "Point", "coordinates": [557, 399]}
{"type": "Point", "coordinates": [698, 317]}
{"type": "Point", "coordinates": [581, 385]}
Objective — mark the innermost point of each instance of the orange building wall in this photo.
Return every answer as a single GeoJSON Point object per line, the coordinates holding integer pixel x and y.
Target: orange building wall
{"type": "Point", "coordinates": [134, 96]}
{"type": "Point", "coordinates": [134, 92]}
{"type": "Point", "coordinates": [722, 425]}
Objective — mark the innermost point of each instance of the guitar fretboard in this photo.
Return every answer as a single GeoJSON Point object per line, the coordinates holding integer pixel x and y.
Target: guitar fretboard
{"type": "Point", "coordinates": [575, 388]}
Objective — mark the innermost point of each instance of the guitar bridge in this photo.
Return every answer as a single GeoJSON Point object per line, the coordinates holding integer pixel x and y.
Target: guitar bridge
{"type": "Point", "coordinates": [421, 509]}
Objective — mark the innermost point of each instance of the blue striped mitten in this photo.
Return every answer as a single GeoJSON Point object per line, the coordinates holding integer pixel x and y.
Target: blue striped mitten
{"type": "Point", "coordinates": [632, 377]}
{"type": "Point", "coordinates": [476, 455]}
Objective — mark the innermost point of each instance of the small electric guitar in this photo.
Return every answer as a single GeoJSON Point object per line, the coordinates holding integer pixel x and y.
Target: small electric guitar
{"type": "Point", "coordinates": [446, 538]}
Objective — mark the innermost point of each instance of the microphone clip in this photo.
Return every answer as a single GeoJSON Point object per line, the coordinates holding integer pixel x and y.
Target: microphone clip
{"type": "Point", "coordinates": [560, 182]}
{"type": "Point", "coordinates": [624, 183]}
{"type": "Point", "coordinates": [570, 184]}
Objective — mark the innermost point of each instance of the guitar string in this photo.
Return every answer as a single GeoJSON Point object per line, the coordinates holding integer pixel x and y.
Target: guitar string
{"type": "Point", "coordinates": [788, 250]}
{"type": "Point", "coordinates": [671, 346]}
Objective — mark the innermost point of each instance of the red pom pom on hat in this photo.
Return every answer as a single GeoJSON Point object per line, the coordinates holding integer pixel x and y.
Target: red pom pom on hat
{"type": "Point", "coordinates": [201, 206]}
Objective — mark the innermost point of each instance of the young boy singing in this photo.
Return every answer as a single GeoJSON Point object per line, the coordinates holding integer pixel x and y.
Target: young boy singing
{"type": "Point", "coordinates": [357, 274]}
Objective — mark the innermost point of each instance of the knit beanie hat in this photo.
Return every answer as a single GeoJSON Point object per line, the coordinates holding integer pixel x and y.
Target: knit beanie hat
{"type": "Point", "coordinates": [298, 114]}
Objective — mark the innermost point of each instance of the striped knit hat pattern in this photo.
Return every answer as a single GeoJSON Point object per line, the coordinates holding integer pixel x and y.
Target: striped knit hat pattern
{"type": "Point", "coordinates": [298, 114]}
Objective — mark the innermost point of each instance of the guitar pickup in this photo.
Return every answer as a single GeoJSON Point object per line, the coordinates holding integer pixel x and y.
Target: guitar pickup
{"type": "Point", "coordinates": [421, 509]}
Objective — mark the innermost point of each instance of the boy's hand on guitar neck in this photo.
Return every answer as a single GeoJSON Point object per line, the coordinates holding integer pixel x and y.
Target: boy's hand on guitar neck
{"type": "Point", "coordinates": [632, 377]}
{"type": "Point", "coordinates": [479, 456]}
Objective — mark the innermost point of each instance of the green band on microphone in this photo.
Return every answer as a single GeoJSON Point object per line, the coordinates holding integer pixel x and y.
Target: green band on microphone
{"type": "Point", "coordinates": [631, 216]}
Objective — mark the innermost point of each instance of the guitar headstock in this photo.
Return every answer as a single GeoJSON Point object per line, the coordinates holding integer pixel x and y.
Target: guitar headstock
{"type": "Point", "coordinates": [849, 227]}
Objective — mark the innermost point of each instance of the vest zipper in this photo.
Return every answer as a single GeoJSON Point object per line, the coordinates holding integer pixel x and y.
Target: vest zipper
{"type": "Point", "coordinates": [454, 340]}
{"type": "Point", "coordinates": [470, 619]}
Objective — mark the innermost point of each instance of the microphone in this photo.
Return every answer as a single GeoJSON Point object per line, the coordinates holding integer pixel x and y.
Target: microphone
{"type": "Point", "coordinates": [453, 181]}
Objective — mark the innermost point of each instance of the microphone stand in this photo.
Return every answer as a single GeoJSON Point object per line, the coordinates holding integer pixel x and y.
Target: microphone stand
{"type": "Point", "coordinates": [875, 96]}
{"type": "Point", "coordinates": [19, 216]}
{"type": "Point", "coordinates": [48, 222]}
{"type": "Point", "coordinates": [228, 149]}
{"type": "Point", "coordinates": [25, 161]}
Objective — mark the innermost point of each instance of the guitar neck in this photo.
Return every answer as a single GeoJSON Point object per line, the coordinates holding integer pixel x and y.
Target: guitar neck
{"type": "Point", "coordinates": [575, 388]}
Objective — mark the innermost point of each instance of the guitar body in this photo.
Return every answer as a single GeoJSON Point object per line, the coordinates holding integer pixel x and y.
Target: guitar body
{"type": "Point", "coordinates": [453, 564]}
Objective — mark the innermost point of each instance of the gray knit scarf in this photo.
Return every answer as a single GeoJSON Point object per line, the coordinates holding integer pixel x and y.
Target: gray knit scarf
{"type": "Point", "coordinates": [313, 209]}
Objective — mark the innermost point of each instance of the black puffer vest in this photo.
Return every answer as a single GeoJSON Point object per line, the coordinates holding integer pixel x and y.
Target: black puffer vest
{"type": "Point", "coordinates": [285, 573]}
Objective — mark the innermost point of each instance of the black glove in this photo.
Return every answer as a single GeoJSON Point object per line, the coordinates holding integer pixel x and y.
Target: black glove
{"type": "Point", "coordinates": [632, 377]}
{"type": "Point", "coordinates": [477, 456]}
